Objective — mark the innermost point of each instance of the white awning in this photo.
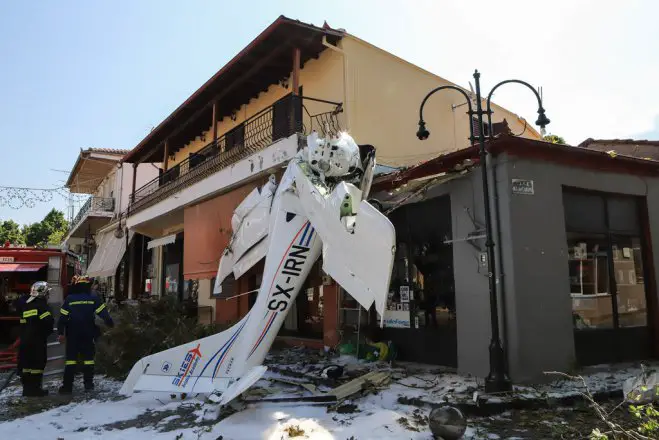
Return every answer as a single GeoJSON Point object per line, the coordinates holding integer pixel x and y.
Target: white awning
{"type": "Point", "coordinates": [162, 241]}
{"type": "Point", "coordinates": [108, 255]}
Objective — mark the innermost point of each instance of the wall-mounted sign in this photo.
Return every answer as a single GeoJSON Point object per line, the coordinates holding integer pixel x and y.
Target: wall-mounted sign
{"type": "Point", "coordinates": [523, 186]}
{"type": "Point", "coordinates": [397, 318]}
{"type": "Point", "coordinates": [404, 294]}
{"type": "Point", "coordinates": [6, 259]}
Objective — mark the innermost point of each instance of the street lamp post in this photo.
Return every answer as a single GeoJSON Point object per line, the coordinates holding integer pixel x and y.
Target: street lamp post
{"type": "Point", "coordinates": [497, 379]}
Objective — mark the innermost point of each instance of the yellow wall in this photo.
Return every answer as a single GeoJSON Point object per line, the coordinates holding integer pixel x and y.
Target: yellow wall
{"type": "Point", "coordinates": [385, 93]}
{"type": "Point", "coordinates": [383, 97]}
{"type": "Point", "coordinates": [320, 78]}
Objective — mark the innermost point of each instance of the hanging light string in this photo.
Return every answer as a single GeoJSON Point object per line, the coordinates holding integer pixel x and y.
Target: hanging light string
{"type": "Point", "coordinates": [16, 197]}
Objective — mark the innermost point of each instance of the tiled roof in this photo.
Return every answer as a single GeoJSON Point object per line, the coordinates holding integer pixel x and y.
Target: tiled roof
{"type": "Point", "coordinates": [640, 148]}
{"type": "Point", "coordinates": [117, 151]}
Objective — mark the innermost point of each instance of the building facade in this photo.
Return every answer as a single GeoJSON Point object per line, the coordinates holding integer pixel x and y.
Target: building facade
{"type": "Point", "coordinates": [245, 123]}
{"type": "Point", "coordinates": [97, 232]}
{"type": "Point", "coordinates": [575, 233]}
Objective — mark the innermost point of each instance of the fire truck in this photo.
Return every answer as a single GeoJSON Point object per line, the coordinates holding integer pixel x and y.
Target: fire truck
{"type": "Point", "coordinates": [20, 267]}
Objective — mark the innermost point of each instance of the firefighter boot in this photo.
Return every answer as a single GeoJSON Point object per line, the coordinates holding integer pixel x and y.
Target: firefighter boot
{"type": "Point", "coordinates": [38, 385]}
{"type": "Point", "coordinates": [69, 375]}
{"type": "Point", "coordinates": [88, 376]}
{"type": "Point", "coordinates": [32, 385]}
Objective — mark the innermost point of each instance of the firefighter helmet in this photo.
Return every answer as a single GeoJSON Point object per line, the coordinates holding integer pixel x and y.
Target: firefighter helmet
{"type": "Point", "coordinates": [40, 289]}
{"type": "Point", "coordinates": [81, 279]}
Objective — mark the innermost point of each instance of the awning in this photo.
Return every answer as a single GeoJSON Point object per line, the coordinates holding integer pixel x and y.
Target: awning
{"type": "Point", "coordinates": [108, 255]}
{"type": "Point", "coordinates": [21, 267]}
{"type": "Point", "coordinates": [162, 241]}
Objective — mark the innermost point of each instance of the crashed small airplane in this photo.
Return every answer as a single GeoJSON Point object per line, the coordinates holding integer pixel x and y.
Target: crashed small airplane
{"type": "Point", "coordinates": [318, 207]}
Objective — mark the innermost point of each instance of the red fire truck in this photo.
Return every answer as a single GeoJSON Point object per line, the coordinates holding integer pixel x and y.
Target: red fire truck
{"type": "Point", "coordinates": [20, 267]}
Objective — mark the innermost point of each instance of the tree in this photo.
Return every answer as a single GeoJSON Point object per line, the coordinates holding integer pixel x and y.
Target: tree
{"type": "Point", "coordinates": [50, 230]}
{"type": "Point", "coordinates": [11, 232]}
{"type": "Point", "coordinates": [554, 139]}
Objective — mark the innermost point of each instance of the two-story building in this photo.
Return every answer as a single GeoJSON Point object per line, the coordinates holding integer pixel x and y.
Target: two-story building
{"type": "Point", "coordinates": [247, 122]}
{"type": "Point", "coordinates": [97, 232]}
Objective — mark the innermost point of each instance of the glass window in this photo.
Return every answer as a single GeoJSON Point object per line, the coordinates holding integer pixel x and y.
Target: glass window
{"type": "Point", "coordinates": [630, 282]}
{"type": "Point", "coordinates": [605, 264]}
{"type": "Point", "coordinates": [584, 212]}
{"type": "Point", "coordinates": [590, 287]}
{"type": "Point", "coordinates": [171, 279]}
{"type": "Point", "coordinates": [623, 214]}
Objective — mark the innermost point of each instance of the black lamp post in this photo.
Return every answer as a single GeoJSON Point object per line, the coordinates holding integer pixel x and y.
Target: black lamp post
{"type": "Point", "coordinates": [497, 380]}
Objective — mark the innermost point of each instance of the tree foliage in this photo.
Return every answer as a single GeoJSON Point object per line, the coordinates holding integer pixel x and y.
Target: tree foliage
{"type": "Point", "coordinates": [144, 329]}
{"type": "Point", "coordinates": [554, 139]}
{"type": "Point", "coordinates": [11, 232]}
{"type": "Point", "coordinates": [51, 230]}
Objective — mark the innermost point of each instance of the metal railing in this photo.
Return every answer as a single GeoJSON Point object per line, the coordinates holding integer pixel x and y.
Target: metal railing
{"type": "Point", "coordinates": [93, 204]}
{"type": "Point", "coordinates": [291, 114]}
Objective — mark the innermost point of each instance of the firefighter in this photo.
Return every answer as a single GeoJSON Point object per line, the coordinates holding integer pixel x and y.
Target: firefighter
{"type": "Point", "coordinates": [77, 327]}
{"type": "Point", "coordinates": [36, 325]}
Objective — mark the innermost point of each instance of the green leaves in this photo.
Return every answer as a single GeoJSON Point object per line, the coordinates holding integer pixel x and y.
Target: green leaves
{"type": "Point", "coordinates": [51, 230]}
{"type": "Point", "coordinates": [554, 139]}
{"type": "Point", "coordinates": [10, 231]}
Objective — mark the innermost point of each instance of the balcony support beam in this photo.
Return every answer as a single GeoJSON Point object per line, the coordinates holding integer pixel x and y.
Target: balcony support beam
{"type": "Point", "coordinates": [165, 160]}
{"type": "Point", "coordinates": [215, 114]}
{"type": "Point", "coordinates": [132, 190]}
{"type": "Point", "coordinates": [296, 71]}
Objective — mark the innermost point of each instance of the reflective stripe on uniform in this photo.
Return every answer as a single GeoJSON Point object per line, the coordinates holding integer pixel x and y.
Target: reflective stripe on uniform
{"type": "Point", "coordinates": [75, 303]}
{"type": "Point", "coordinates": [64, 312]}
{"type": "Point", "coordinates": [23, 321]}
{"type": "Point", "coordinates": [31, 371]}
{"type": "Point", "coordinates": [70, 362]}
{"type": "Point", "coordinates": [44, 315]}
{"type": "Point", "coordinates": [88, 362]}
{"type": "Point", "coordinates": [28, 313]}
{"type": "Point", "coordinates": [100, 308]}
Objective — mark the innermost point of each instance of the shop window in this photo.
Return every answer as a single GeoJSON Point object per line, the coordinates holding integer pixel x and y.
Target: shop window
{"type": "Point", "coordinates": [584, 212]}
{"type": "Point", "coordinates": [630, 282]}
{"type": "Point", "coordinates": [172, 279]}
{"type": "Point", "coordinates": [605, 260]}
{"type": "Point", "coordinates": [589, 281]}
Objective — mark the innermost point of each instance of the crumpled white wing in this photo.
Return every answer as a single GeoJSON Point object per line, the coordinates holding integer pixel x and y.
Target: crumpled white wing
{"type": "Point", "coordinates": [360, 261]}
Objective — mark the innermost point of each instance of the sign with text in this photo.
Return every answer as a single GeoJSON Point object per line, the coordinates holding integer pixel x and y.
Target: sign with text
{"type": "Point", "coordinates": [397, 318]}
{"type": "Point", "coordinates": [523, 186]}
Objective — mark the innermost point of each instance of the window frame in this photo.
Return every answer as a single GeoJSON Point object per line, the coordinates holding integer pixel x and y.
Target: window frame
{"type": "Point", "coordinates": [610, 234]}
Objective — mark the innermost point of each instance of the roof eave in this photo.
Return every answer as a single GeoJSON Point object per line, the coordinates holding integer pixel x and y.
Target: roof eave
{"type": "Point", "coordinates": [136, 152]}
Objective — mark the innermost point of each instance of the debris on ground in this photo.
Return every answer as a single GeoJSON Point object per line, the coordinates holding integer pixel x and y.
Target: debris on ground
{"type": "Point", "coordinates": [379, 399]}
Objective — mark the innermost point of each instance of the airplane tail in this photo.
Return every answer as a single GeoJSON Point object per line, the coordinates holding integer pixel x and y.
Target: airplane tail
{"type": "Point", "coordinates": [188, 368]}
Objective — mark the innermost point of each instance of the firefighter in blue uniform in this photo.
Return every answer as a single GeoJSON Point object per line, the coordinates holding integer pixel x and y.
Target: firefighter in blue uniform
{"type": "Point", "coordinates": [36, 325]}
{"type": "Point", "coordinates": [77, 327]}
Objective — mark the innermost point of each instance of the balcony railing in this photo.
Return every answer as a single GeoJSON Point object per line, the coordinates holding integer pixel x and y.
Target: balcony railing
{"type": "Point", "coordinates": [290, 115]}
{"type": "Point", "coordinates": [93, 204]}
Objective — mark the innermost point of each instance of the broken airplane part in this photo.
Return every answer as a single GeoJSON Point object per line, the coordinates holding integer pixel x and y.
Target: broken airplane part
{"type": "Point", "coordinates": [318, 207]}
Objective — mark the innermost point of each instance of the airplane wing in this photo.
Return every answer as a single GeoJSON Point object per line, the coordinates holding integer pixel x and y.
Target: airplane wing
{"type": "Point", "coordinates": [249, 242]}
{"type": "Point", "coordinates": [358, 241]}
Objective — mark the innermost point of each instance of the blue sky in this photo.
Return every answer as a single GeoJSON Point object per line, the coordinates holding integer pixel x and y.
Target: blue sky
{"type": "Point", "coordinates": [77, 74]}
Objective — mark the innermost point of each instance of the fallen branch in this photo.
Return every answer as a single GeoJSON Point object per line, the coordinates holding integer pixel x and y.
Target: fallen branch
{"type": "Point", "coordinates": [617, 430]}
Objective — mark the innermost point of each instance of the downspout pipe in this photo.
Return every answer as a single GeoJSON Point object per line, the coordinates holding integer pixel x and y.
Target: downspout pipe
{"type": "Point", "coordinates": [344, 56]}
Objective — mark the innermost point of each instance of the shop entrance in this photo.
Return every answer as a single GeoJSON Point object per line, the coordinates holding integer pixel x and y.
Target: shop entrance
{"type": "Point", "coordinates": [420, 317]}
{"type": "Point", "coordinates": [609, 272]}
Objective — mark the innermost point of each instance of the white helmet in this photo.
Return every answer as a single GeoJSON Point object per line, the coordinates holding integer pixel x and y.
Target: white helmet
{"type": "Point", "coordinates": [40, 289]}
